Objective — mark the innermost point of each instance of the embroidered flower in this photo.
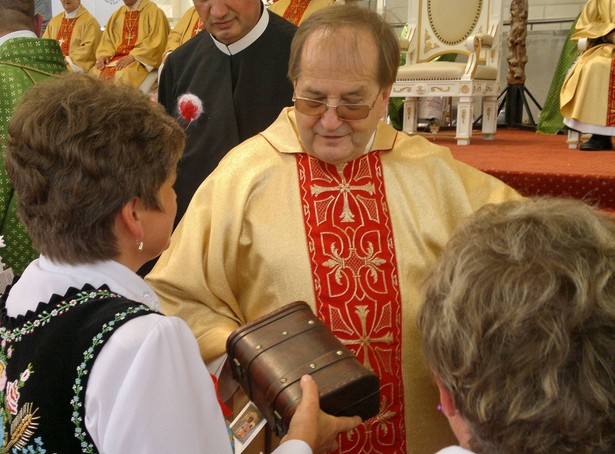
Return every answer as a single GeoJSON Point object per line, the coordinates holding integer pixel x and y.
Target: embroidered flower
{"type": "Point", "coordinates": [190, 107]}
{"type": "Point", "coordinates": [24, 375]}
{"type": "Point", "coordinates": [12, 396]}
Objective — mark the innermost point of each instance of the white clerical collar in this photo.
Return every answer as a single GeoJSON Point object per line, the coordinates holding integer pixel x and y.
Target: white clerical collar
{"type": "Point", "coordinates": [73, 14]}
{"type": "Point", "coordinates": [17, 34]}
{"type": "Point", "coordinates": [43, 277]}
{"type": "Point", "coordinates": [247, 40]}
{"type": "Point", "coordinates": [370, 143]}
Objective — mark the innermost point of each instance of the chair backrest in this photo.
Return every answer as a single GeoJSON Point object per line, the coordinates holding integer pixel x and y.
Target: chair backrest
{"type": "Point", "coordinates": [442, 27]}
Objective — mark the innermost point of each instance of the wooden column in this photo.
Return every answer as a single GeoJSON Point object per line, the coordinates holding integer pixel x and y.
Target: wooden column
{"type": "Point", "coordinates": [517, 58]}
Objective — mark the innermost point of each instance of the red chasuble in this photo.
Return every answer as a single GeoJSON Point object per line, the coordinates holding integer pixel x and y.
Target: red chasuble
{"type": "Point", "coordinates": [65, 33]}
{"type": "Point", "coordinates": [295, 10]}
{"type": "Point", "coordinates": [130, 33]}
{"type": "Point", "coordinates": [352, 252]}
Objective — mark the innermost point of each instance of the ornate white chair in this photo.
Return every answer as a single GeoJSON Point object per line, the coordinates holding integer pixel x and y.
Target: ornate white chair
{"type": "Point", "coordinates": [471, 28]}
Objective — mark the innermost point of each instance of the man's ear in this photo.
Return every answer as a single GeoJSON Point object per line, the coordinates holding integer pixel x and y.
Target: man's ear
{"type": "Point", "coordinates": [386, 94]}
{"type": "Point", "coordinates": [37, 22]}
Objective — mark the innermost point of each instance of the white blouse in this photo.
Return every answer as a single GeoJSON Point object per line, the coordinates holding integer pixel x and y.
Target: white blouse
{"type": "Point", "coordinates": [149, 390]}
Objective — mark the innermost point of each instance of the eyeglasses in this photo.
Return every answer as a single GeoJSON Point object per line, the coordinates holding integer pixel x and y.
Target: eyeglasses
{"type": "Point", "coordinates": [316, 108]}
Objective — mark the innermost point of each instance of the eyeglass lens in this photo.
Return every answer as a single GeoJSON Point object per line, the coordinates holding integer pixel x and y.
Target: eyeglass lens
{"type": "Point", "coordinates": [344, 111]}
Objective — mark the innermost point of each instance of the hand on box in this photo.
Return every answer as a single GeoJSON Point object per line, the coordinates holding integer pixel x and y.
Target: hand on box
{"type": "Point", "coordinates": [317, 428]}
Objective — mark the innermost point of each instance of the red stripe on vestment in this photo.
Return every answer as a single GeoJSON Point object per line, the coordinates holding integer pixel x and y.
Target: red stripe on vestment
{"type": "Point", "coordinates": [294, 11]}
{"type": "Point", "coordinates": [610, 113]}
{"type": "Point", "coordinates": [65, 33]}
{"type": "Point", "coordinates": [354, 268]}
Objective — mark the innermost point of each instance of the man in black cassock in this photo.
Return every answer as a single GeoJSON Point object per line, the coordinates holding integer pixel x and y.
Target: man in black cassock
{"type": "Point", "coordinates": [238, 72]}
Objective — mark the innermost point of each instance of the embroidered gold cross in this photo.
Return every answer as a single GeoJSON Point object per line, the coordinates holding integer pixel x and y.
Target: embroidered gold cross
{"type": "Point", "coordinates": [345, 188]}
{"type": "Point", "coordinates": [363, 340]}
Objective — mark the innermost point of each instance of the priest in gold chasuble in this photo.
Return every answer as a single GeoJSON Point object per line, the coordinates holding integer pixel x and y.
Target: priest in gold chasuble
{"type": "Point", "coordinates": [132, 43]}
{"type": "Point", "coordinates": [587, 98]}
{"type": "Point", "coordinates": [78, 33]}
{"type": "Point", "coordinates": [332, 206]}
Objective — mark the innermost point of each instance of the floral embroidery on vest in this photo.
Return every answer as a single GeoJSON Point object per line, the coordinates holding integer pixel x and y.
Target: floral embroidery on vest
{"type": "Point", "coordinates": [21, 417]}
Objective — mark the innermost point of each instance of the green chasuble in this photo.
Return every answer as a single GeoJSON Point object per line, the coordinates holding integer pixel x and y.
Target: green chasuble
{"type": "Point", "coordinates": [23, 62]}
{"type": "Point", "coordinates": [551, 120]}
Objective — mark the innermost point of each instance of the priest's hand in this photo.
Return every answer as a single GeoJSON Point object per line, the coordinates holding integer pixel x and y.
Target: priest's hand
{"type": "Point", "coordinates": [312, 425]}
{"type": "Point", "coordinates": [101, 62]}
{"type": "Point", "coordinates": [124, 61]}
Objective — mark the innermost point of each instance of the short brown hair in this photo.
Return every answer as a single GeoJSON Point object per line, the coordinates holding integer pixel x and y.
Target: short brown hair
{"type": "Point", "coordinates": [519, 326]}
{"type": "Point", "coordinates": [78, 150]}
{"type": "Point", "coordinates": [16, 15]}
{"type": "Point", "coordinates": [329, 21]}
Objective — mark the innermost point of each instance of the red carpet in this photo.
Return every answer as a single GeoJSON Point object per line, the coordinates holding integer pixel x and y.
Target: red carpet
{"type": "Point", "coordinates": [541, 164]}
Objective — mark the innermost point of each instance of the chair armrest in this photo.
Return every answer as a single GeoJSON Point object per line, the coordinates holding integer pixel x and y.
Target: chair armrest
{"type": "Point", "coordinates": [404, 45]}
{"type": "Point", "coordinates": [407, 46]}
{"type": "Point", "coordinates": [474, 43]}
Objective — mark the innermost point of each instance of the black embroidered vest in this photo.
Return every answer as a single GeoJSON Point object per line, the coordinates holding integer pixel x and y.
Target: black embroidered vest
{"type": "Point", "coordinates": [45, 360]}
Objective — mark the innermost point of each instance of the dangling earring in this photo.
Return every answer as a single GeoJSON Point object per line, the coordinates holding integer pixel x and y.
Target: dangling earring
{"type": "Point", "coordinates": [140, 245]}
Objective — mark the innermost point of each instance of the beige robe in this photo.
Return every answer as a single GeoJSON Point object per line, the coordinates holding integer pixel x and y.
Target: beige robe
{"type": "Point", "coordinates": [153, 29]}
{"type": "Point", "coordinates": [240, 250]}
{"type": "Point", "coordinates": [588, 93]}
{"type": "Point", "coordinates": [84, 39]}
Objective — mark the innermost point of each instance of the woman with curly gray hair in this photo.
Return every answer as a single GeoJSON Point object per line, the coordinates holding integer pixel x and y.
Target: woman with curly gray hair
{"type": "Point", "coordinates": [518, 327]}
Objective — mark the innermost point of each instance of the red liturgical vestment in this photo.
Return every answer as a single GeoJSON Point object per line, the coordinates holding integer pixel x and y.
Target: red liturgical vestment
{"type": "Point", "coordinates": [356, 283]}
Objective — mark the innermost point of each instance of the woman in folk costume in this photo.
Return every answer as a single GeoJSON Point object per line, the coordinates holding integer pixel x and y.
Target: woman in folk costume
{"type": "Point", "coordinates": [78, 33]}
{"type": "Point", "coordinates": [88, 362]}
{"type": "Point", "coordinates": [588, 94]}
{"type": "Point", "coordinates": [132, 43]}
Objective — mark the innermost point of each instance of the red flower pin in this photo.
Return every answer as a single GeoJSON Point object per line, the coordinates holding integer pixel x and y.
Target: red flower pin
{"type": "Point", "coordinates": [190, 107]}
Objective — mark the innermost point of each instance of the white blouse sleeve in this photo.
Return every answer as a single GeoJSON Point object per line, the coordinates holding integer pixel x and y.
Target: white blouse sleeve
{"type": "Point", "coordinates": [149, 392]}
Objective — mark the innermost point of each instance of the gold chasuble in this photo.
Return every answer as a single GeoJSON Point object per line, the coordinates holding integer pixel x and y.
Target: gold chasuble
{"type": "Point", "coordinates": [78, 35]}
{"type": "Point", "coordinates": [188, 25]}
{"type": "Point", "coordinates": [588, 92]}
{"type": "Point", "coordinates": [296, 11]}
{"type": "Point", "coordinates": [140, 32]}
{"type": "Point", "coordinates": [130, 31]}
{"type": "Point", "coordinates": [356, 281]}
{"type": "Point", "coordinates": [272, 225]}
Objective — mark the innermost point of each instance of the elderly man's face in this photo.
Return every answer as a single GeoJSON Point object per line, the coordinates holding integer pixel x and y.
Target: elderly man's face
{"type": "Point", "coordinates": [333, 74]}
{"type": "Point", "coordinates": [70, 5]}
{"type": "Point", "coordinates": [229, 20]}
